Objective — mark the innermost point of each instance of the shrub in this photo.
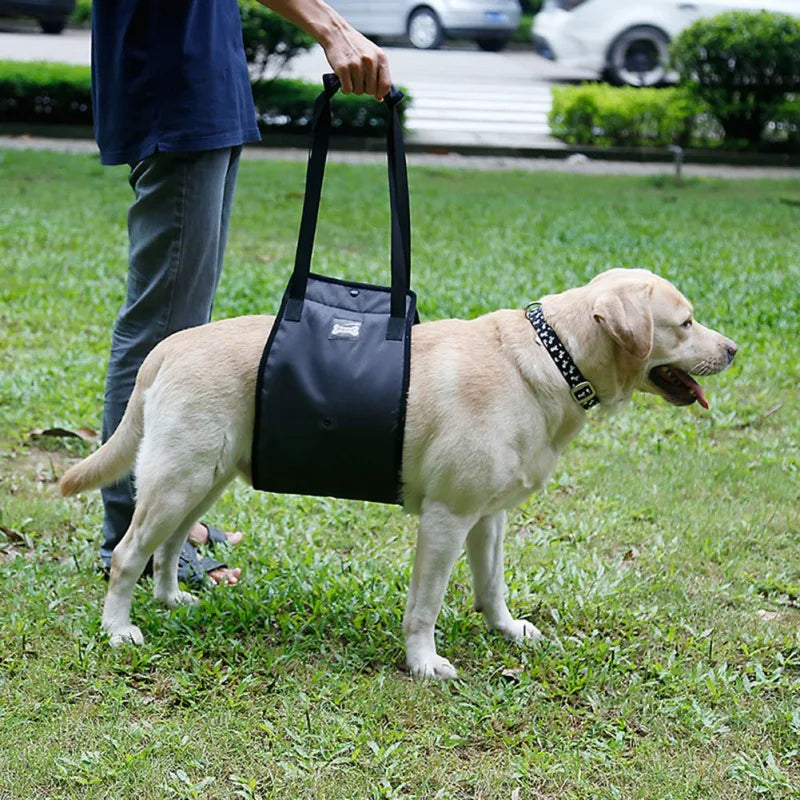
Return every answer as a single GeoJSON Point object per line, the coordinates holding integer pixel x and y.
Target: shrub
{"type": "Point", "coordinates": [742, 66]}
{"type": "Point", "coordinates": [595, 114]}
{"type": "Point", "coordinates": [522, 35]}
{"type": "Point", "coordinates": [82, 15]}
{"type": "Point", "coordinates": [270, 41]}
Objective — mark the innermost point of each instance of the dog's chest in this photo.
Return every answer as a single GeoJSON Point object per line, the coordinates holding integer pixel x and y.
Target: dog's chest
{"type": "Point", "coordinates": [535, 470]}
{"type": "Point", "coordinates": [516, 475]}
{"type": "Point", "coordinates": [530, 459]}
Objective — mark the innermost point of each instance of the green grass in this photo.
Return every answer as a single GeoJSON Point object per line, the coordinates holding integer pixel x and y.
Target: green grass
{"type": "Point", "coordinates": [648, 562]}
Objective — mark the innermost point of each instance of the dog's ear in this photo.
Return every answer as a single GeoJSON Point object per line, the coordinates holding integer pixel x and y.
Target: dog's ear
{"type": "Point", "coordinates": [625, 315]}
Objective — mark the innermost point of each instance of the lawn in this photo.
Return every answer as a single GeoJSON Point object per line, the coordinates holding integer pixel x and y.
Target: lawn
{"type": "Point", "coordinates": [661, 562]}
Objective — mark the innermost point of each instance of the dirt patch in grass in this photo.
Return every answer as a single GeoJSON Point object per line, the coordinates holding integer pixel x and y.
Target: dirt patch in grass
{"type": "Point", "coordinates": [39, 461]}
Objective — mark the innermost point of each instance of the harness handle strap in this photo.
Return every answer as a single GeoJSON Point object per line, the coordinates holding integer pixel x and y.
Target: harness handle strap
{"type": "Point", "coordinates": [398, 201]}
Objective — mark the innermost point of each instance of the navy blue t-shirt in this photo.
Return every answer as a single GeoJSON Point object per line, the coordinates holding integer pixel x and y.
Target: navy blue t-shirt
{"type": "Point", "coordinates": [168, 75]}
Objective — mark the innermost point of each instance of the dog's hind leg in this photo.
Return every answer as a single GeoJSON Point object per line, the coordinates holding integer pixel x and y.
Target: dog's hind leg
{"type": "Point", "coordinates": [167, 554]}
{"type": "Point", "coordinates": [148, 527]}
{"type": "Point", "coordinates": [439, 543]}
{"type": "Point", "coordinates": [163, 497]}
{"type": "Point", "coordinates": [485, 553]}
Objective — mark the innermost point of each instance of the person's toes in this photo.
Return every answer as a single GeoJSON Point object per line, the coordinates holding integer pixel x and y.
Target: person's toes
{"type": "Point", "coordinates": [223, 575]}
{"type": "Point", "coordinates": [199, 535]}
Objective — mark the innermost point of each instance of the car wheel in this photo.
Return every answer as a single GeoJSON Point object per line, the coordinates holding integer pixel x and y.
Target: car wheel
{"type": "Point", "coordinates": [424, 29]}
{"type": "Point", "coordinates": [491, 44]}
{"type": "Point", "coordinates": [639, 57]}
{"type": "Point", "coordinates": [52, 25]}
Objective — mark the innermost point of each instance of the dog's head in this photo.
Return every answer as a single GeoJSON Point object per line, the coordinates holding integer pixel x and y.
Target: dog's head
{"type": "Point", "coordinates": [654, 327]}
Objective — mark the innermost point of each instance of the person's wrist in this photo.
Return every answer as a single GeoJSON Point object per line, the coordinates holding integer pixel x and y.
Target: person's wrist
{"type": "Point", "coordinates": [328, 31]}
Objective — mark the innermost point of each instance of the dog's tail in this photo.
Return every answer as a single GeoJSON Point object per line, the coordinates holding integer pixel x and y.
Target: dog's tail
{"type": "Point", "coordinates": [117, 455]}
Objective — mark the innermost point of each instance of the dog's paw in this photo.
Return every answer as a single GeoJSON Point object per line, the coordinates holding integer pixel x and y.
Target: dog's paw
{"type": "Point", "coordinates": [431, 667]}
{"type": "Point", "coordinates": [129, 634]}
{"type": "Point", "coordinates": [519, 630]}
{"type": "Point", "coordinates": [180, 598]}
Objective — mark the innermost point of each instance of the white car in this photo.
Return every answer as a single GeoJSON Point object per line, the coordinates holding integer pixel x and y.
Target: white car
{"type": "Point", "coordinates": [427, 23]}
{"type": "Point", "coordinates": [627, 41]}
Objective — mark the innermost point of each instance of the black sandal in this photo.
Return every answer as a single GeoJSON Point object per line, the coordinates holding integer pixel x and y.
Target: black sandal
{"type": "Point", "coordinates": [192, 567]}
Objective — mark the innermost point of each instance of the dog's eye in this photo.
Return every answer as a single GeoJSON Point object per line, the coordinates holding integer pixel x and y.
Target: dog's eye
{"type": "Point", "coordinates": [687, 323]}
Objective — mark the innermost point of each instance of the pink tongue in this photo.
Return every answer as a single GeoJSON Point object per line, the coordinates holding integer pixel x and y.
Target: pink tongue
{"type": "Point", "coordinates": [695, 387]}
{"type": "Point", "coordinates": [701, 398]}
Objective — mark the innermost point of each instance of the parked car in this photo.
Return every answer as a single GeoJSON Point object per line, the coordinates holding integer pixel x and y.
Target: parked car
{"type": "Point", "coordinates": [427, 23]}
{"type": "Point", "coordinates": [627, 42]}
{"type": "Point", "coordinates": [52, 14]}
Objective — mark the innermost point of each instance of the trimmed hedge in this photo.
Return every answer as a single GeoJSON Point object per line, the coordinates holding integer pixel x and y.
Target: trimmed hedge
{"type": "Point", "coordinates": [39, 92]}
{"type": "Point", "coordinates": [607, 116]}
{"type": "Point", "coordinates": [45, 92]}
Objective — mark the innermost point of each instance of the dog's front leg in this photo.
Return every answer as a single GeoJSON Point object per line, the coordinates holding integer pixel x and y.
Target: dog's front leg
{"type": "Point", "coordinates": [485, 552]}
{"type": "Point", "coordinates": [439, 543]}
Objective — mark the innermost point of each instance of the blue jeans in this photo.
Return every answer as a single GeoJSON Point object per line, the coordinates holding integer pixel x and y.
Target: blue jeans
{"type": "Point", "coordinates": [177, 230]}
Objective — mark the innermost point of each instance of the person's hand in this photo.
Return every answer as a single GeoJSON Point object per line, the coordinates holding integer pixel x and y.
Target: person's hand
{"type": "Point", "coordinates": [360, 65]}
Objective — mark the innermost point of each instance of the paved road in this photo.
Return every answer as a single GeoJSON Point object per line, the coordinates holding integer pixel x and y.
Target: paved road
{"type": "Point", "coordinates": [20, 41]}
{"type": "Point", "coordinates": [461, 94]}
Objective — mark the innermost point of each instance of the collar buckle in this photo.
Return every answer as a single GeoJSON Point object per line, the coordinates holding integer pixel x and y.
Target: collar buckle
{"type": "Point", "coordinates": [584, 393]}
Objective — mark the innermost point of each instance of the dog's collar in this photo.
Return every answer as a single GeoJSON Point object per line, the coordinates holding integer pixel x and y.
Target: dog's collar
{"type": "Point", "coordinates": [581, 389]}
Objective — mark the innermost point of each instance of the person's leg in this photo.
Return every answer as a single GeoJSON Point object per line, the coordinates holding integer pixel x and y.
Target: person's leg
{"type": "Point", "coordinates": [177, 226]}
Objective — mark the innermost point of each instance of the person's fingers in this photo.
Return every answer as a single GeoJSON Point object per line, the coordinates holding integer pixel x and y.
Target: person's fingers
{"type": "Point", "coordinates": [357, 77]}
{"type": "Point", "coordinates": [343, 73]}
{"type": "Point", "coordinates": [383, 79]}
{"type": "Point", "coordinates": [370, 74]}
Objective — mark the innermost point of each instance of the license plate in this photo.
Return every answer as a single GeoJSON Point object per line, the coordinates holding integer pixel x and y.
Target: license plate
{"type": "Point", "coordinates": [495, 17]}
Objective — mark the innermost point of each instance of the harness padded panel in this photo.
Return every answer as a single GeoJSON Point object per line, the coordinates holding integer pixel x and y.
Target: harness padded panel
{"type": "Point", "coordinates": [331, 396]}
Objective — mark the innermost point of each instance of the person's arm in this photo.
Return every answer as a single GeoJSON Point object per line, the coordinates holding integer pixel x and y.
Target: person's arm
{"type": "Point", "coordinates": [361, 66]}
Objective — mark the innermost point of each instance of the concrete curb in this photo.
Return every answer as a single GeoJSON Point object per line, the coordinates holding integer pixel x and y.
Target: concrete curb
{"type": "Point", "coordinates": [570, 161]}
{"type": "Point", "coordinates": [445, 144]}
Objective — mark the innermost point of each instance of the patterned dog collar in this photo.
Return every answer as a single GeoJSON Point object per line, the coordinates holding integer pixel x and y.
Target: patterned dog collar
{"type": "Point", "coordinates": [581, 389]}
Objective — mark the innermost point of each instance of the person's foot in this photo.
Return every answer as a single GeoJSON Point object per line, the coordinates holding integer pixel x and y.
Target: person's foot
{"type": "Point", "coordinates": [226, 575]}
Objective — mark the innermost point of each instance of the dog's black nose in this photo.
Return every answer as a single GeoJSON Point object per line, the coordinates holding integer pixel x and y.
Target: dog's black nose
{"type": "Point", "coordinates": [731, 348]}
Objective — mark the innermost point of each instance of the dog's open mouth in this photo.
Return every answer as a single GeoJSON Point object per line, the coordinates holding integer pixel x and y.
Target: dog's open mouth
{"type": "Point", "coordinates": [680, 388]}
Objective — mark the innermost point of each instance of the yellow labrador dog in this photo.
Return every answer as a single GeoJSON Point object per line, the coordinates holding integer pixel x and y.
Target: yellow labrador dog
{"type": "Point", "coordinates": [492, 403]}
